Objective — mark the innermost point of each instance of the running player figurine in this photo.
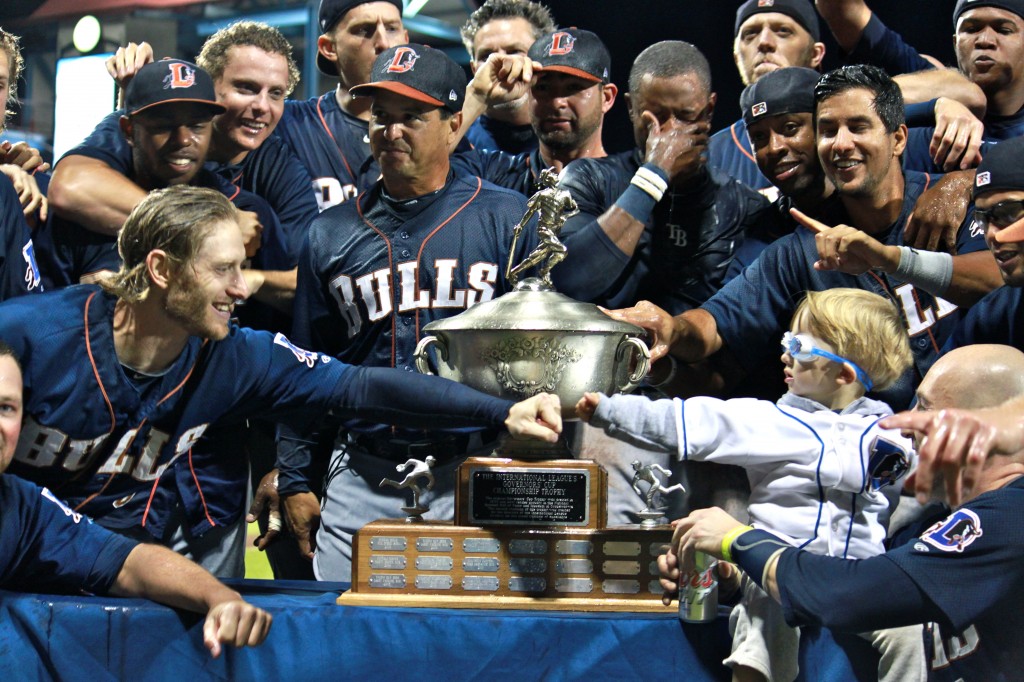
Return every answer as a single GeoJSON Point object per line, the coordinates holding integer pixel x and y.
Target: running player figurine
{"type": "Point", "coordinates": [651, 474]}
{"type": "Point", "coordinates": [555, 206]}
{"type": "Point", "coordinates": [420, 469]}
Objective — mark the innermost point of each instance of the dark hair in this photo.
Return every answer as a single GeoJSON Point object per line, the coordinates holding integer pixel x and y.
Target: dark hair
{"type": "Point", "coordinates": [537, 14]}
{"type": "Point", "coordinates": [888, 100]}
{"type": "Point", "coordinates": [668, 59]}
{"type": "Point", "coordinates": [10, 46]}
{"type": "Point", "coordinates": [7, 352]}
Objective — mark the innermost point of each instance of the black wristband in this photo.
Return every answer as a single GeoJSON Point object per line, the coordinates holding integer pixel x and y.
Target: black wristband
{"type": "Point", "coordinates": [754, 549]}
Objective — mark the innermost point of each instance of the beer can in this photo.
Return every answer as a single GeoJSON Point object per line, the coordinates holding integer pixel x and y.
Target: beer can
{"type": "Point", "coordinates": [698, 593]}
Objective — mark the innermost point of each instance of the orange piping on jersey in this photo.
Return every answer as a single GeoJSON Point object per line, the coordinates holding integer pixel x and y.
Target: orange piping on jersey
{"type": "Point", "coordinates": [234, 196]}
{"type": "Point", "coordinates": [391, 267]}
{"type": "Point", "coordinates": [423, 244]}
{"type": "Point", "coordinates": [323, 122]}
{"type": "Point", "coordinates": [95, 370]}
{"type": "Point", "coordinates": [736, 140]}
{"type": "Point", "coordinates": [202, 499]}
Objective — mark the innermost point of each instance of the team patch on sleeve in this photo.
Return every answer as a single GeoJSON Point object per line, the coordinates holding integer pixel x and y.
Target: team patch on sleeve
{"type": "Point", "coordinates": [306, 357]}
{"type": "Point", "coordinates": [955, 533]}
{"type": "Point", "coordinates": [77, 518]}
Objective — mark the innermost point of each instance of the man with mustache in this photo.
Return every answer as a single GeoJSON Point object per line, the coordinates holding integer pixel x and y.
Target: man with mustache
{"type": "Point", "coordinates": [423, 243]}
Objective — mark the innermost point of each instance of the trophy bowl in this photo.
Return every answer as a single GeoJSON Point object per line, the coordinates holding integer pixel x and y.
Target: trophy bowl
{"type": "Point", "coordinates": [535, 340]}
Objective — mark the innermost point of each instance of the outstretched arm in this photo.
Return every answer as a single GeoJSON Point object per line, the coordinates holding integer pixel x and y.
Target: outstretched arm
{"type": "Point", "coordinates": [92, 194]}
{"type": "Point", "coordinates": [155, 572]}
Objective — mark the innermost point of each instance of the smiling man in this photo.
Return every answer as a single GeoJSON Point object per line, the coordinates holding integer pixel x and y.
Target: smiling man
{"type": "Point", "coordinates": [170, 106]}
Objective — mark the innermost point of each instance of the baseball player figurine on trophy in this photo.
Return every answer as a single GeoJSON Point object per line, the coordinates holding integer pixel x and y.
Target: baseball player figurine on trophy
{"type": "Point", "coordinates": [420, 469]}
{"type": "Point", "coordinates": [651, 474]}
{"type": "Point", "coordinates": [555, 207]}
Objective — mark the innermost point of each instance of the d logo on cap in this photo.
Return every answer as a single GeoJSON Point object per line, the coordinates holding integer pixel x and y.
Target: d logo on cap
{"type": "Point", "coordinates": [404, 59]}
{"type": "Point", "coordinates": [561, 43]}
{"type": "Point", "coordinates": [179, 76]}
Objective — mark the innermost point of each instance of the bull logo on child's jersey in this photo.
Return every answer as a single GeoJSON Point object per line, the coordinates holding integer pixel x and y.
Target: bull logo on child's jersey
{"type": "Point", "coordinates": [887, 462]}
{"type": "Point", "coordinates": [561, 43]}
{"type": "Point", "coordinates": [404, 59]}
{"type": "Point", "coordinates": [179, 76]}
{"type": "Point", "coordinates": [955, 533]}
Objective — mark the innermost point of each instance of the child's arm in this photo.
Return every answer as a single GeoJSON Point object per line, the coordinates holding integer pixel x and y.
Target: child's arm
{"type": "Point", "coordinates": [648, 424]}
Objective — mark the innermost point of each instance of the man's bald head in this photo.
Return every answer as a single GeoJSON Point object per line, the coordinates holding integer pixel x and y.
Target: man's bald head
{"type": "Point", "coordinates": [973, 377]}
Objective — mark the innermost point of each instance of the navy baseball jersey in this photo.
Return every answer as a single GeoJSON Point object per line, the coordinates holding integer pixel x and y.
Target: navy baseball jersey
{"type": "Point", "coordinates": [753, 310]}
{"type": "Point", "coordinates": [19, 273]}
{"type": "Point", "coordinates": [684, 253]}
{"type": "Point", "coordinates": [517, 172]}
{"type": "Point", "coordinates": [270, 171]}
{"type": "Point", "coordinates": [333, 146]}
{"type": "Point", "coordinates": [885, 48]}
{"type": "Point", "coordinates": [118, 446]}
{"type": "Point", "coordinates": [46, 547]}
{"type": "Point", "coordinates": [997, 318]}
{"type": "Point", "coordinates": [997, 129]}
{"type": "Point", "coordinates": [962, 575]}
{"type": "Point", "coordinates": [376, 270]}
{"type": "Point", "coordinates": [730, 151]}
{"type": "Point", "coordinates": [488, 133]}
{"type": "Point", "coordinates": [66, 251]}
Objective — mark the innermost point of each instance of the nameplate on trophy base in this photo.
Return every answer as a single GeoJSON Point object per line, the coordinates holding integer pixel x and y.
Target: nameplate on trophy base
{"type": "Point", "coordinates": [494, 491]}
{"type": "Point", "coordinates": [454, 566]}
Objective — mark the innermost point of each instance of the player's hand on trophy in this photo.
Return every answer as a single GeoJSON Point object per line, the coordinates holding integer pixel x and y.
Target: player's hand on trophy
{"type": "Point", "coordinates": [847, 249]}
{"type": "Point", "coordinates": [537, 418]}
{"type": "Point", "coordinates": [587, 406]}
{"type": "Point", "coordinates": [659, 325]}
{"type": "Point", "coordinates": [677, 147]}
{"type": "Point", "coordinates": [235, 622]}
{"type": "Point", "coordinates": [302, 516]}
{"type": "Point", "coordinates": [23, 156]}
{"type": "Point", "coordinates": [266, 499]}
{"type": "Point", "coordinates": [33, 202]}
{"type": "Point", "coordinates": [502, 78]}
{"type": "Point", "coordinates": [939, 212]}
{"type": "Point", "coordinates": [127, 61]}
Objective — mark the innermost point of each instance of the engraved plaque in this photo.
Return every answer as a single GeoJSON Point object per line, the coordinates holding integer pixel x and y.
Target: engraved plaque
{"type": "Point", "coordinates": [654, 587]}
{"type": "Point", "coordinates": [613, 548]}
{"type": "Point", "coordinates": [433, 582]}
{"type": "Point", "coordinates": [620, 586]}
{"type": "Point", "coordinates": [653, 568]}
{"type": "Point", "coordinates": [527, 547]}
{"type": "Point", "coordinates": [387, 562]}
{"type": "Point", "coordinates": [480, 583]}
{"type": "Point", "coordinates": [574, 585]}
{"type": "Point", "coordinates": [533, 496]}
{"type": "Point", "coordinates": [481, 545]}
{"type": "Point", "coordinates": [434, 544]}
{"type": "Point", "coordinates": [574, 566]}
{"type": "Point", "coordinates": [657, 548]}
{"type": "Point", "coordinates": [574, 547]}
{"type": "Point", "coordinates": [388, 580]}
{"type": "Point", "coordinates": [387, 543]}
{"type": "Point", "coordinates": [519, 584]}
{"type": "Point", "coordinates": [526, 565]}
{"type": "Point", "coordinates": [480, 564]}
{"type": "Point", "coordinates": [621, 567]}
{"type": "Point", "coordinates": [434, 563]}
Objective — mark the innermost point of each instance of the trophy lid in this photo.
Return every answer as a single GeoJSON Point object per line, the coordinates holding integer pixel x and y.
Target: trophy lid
{"type": "Point", "coordinates": [533, 306]}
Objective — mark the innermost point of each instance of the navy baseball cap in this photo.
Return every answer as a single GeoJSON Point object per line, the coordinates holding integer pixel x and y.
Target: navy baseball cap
{"type": "Point", "coordinates": [417, 72]}
{"type": "Point", "coordinates": [1015, 6]}
{"type": "Point", "coordinates": [1001, 171]}
{"type": "Point", "coordinates": [170, 80]}
{"type": "Point", "coordinates": [783, 91]}
{"type": "Point", "coordinates": [575, 52]}
{"type": "Point", "coordinates": [331, 12]}
{"type": "Point", "coordinates": [800, 11]}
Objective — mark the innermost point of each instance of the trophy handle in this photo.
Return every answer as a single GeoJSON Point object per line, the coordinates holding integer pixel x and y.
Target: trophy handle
{"type": "Point", "coordinates": [421, 353]}
{"type": "Point", "coordinates": [643, 362]}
